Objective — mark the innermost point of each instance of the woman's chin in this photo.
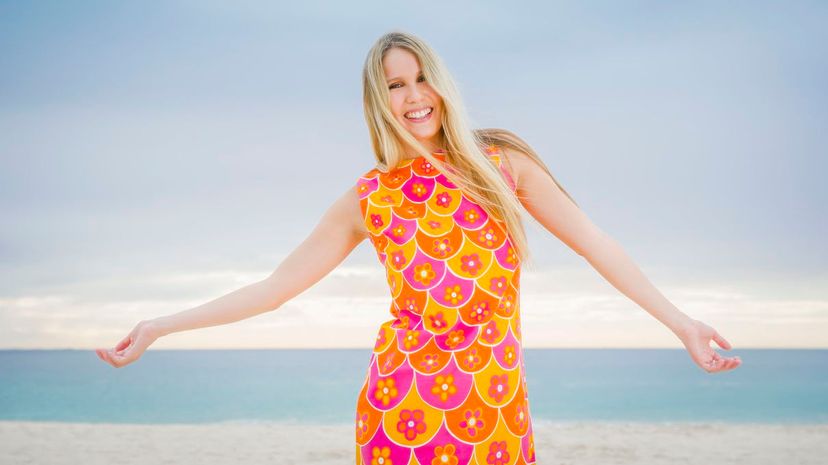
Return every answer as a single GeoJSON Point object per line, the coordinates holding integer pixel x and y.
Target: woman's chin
{"type": "Point", "coordinates": [422, 134]}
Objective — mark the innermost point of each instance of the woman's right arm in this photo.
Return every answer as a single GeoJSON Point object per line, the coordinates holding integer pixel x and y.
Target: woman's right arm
{"type": "Point", "coordinates": [337, 233]}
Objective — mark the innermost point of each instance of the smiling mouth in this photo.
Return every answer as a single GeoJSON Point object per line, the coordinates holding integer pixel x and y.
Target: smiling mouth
{"type": "Point", "coordinates": [419, 114]}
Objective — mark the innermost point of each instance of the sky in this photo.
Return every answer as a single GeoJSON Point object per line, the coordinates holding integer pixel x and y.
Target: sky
{"type": "Point", "coordinates": [157, 155]}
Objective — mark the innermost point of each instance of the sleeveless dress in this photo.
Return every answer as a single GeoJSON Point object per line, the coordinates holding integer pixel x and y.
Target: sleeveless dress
{"type": "Point", "coordinates": [445, 382]}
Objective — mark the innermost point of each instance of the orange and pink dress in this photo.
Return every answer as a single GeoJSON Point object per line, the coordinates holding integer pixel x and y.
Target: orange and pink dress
{"type": "Point", "coordinates": [445, 383]}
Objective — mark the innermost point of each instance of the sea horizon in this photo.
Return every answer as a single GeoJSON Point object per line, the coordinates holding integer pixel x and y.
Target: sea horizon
{"type": "Point", "coordinates": [320, 386]}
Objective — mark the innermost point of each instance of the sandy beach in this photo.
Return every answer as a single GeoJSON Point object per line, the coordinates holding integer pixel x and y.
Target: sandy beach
{"type": "Point", "coordinates": [584, 443]}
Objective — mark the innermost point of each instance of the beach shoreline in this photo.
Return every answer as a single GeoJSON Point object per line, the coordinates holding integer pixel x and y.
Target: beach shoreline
{"type": "Point", "coordinates": [581, 442]}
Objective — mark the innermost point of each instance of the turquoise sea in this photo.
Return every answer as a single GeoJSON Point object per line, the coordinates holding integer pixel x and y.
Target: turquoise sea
{"type": "Point", "coordinates": [320, 386]}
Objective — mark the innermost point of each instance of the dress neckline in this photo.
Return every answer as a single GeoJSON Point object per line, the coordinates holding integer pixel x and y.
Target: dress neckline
{"type": "Point", "coordinates": [437, 153]}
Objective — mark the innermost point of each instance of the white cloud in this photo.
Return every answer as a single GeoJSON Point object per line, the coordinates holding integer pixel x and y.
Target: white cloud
{"type": "Point", "coordinates": [346, 308]}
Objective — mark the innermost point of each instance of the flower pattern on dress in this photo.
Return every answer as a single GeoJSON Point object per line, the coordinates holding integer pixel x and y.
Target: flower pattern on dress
{"type": "Point", "coordinates": [499, 387]}
{"type": "Point", "coordinates": [362, 425]}
{"type": "Point", "coordinates": [498, 455]}
{"type": "Point", "coordinates": [419, 189]}
{"type": "Point", "coordinates": [509, 355]}
{"type": "Point", "coordinates": [479, 312]}
{"type": "Point", "coordinates": [471, 360]}
{"type": "Point", "coordinates": [398, 258]}
{"type": "Point", "coordinates": [376, 220]}
{"type": "Point", "coordinates": [442, 247]}
{"type": "Point", "coordinates": [506, 304]}
{"type": "Point", "coordinates": [498, 285]}
{"type": "Point", "coordinates": [411, 305]}
{"type": "Point", "coordinates": [446, 382]}
{"type": "Point", "coordinates": [437, 321]}
{"type": "Point", "coordinates": [472, 422]}
{"type": "Point", "coordinates": [424, 274]}
{"type": "Point", "coordinates": [444, 387]}
{"type": "Point", "coordinates": [490, 332]}
{"type": "Point", "coordinates": [411, 423]}
{"type": "Point", "coordinates": [453, 295]}
{"type": "Point", "coordinates": [456, 338]}
{"type": "Point", "coordinates": [381, 456]}
{"type": "Point", "coordinates": [385, 390]}
{"type": "Point", "coordinates": [471, 264]}
{"type": "Point", "coordinates": [380, 340]}
{"type": "Point", "coordinates": [488, 237]}
{"type": "Point", "coordinates": [411, 338]}
{"type": "Point", "coordinates": [444, 199]}
{"type": "Point", "coordinates": [471, 215]}
{"type": "Point", "coordinates": [521, 416]}
{"type": "Point", "coordinates": [429, 362]}
{"type": "Point", "coordinates": [444, 455]}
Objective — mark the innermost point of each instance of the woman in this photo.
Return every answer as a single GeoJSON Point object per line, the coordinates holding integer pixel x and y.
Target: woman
{"type": "Point", "coordinates": [445, 382]}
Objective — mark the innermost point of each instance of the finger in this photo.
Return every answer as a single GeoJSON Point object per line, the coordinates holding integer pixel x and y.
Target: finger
{"type": "Point", "coordinates": [713, 364]}
{"type": "Point", "coordinates": [713, 358]}
{"type": "Point", "coordinates": [117, 360]}
{"type": "Point", "coordinates": [721, 341]}
{"type": "Point", "coordinates": [105, 356]}
{"type": "Point", "coordinates": [128, 352]}
{"type": "Point", "coordinates": [125, 342]}
{"type": "Point", "coordinates": [707, 364]}
{"type": "Point", "coordinates": [730, 363]}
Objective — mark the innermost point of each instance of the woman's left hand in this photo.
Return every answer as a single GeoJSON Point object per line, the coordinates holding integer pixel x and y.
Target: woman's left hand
{"type": "Point", "coordinates": [696, 338]}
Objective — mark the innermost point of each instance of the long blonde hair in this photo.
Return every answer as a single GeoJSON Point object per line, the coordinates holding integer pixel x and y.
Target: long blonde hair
{"type": "Point", "coordinates": [470, 168]}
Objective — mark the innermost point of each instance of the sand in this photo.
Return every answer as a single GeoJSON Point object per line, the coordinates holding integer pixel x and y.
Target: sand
{"type": "Point", "coordinates": [589, 443]}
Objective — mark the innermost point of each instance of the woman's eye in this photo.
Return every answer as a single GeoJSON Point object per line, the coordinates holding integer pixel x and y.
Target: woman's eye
{"type": "Point", "coordinates": [397, 84]}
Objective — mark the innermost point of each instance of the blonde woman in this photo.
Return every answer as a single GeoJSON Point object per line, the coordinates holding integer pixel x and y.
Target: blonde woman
{"type": "Point", "coordinates": [446, 381]}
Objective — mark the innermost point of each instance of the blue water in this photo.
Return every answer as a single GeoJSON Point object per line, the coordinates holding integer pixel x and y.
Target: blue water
{"type": "Point", "coordinates": [320, 386]}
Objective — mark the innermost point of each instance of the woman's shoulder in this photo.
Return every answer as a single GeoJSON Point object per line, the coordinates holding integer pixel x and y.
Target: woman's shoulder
{"type": "Point", "coordinates": [509, 146]}
{"type": "Point", "coordinates": [509, 159]}
{"type": "Point", "coordinates": [519, 155]}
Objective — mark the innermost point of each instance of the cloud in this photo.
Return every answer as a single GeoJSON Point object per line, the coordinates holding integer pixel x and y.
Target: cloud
{"type": "Point", "coordinates": [349, 305]}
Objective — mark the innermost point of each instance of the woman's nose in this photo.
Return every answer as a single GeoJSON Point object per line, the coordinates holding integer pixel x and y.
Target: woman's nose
{"type": "Point", "coordinates": [414, 95]}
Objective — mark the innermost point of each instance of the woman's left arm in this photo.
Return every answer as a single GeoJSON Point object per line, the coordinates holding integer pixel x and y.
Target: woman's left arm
{"type": "Point", "coordinates": [548, 204]}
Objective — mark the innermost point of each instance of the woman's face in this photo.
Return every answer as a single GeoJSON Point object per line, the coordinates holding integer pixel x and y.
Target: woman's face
{"type": "Point", "coordinates": [414, 102]}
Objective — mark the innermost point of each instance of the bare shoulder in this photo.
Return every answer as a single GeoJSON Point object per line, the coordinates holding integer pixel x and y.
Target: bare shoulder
{"type": "Point", "coordinates": [351, 205]}
{"type": "Point", "coordinates": [518, 163]}
{"type": "Point", "coordinates": [354, 208]}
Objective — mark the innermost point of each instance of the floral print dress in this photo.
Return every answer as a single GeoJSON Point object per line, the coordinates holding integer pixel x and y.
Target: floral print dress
{"type": "Point", "coordinates": [445, 383]}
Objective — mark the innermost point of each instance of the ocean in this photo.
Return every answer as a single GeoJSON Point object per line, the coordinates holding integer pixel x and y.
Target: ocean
{"type": "Point", "coordinates": [320, 386]}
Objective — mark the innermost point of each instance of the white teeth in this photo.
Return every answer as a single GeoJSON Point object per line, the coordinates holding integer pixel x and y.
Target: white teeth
{"type": "Point", "coordinates": [419, 114]}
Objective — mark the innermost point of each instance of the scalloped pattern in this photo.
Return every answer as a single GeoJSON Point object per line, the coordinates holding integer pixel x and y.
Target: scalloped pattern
{"type": "Point", "coordinates": [445, 383]}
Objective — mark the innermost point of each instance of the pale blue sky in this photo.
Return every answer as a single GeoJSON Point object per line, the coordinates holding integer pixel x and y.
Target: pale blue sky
{"type": "Point", "coordinates": [156, 155]}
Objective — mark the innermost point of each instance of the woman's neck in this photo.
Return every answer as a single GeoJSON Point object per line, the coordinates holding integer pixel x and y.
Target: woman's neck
{"type": "Point", "coordinates": [430, 146]}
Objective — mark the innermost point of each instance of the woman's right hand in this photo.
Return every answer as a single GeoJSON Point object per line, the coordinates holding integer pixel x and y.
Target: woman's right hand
{"type": "Point", "coordinates": [132, 346]}
{"type": "Point", "coordinates": [696, 337]}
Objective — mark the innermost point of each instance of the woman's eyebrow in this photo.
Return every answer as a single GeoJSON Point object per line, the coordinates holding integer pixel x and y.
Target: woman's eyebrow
{"type": "Point", "coordinates": [399, 77]}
